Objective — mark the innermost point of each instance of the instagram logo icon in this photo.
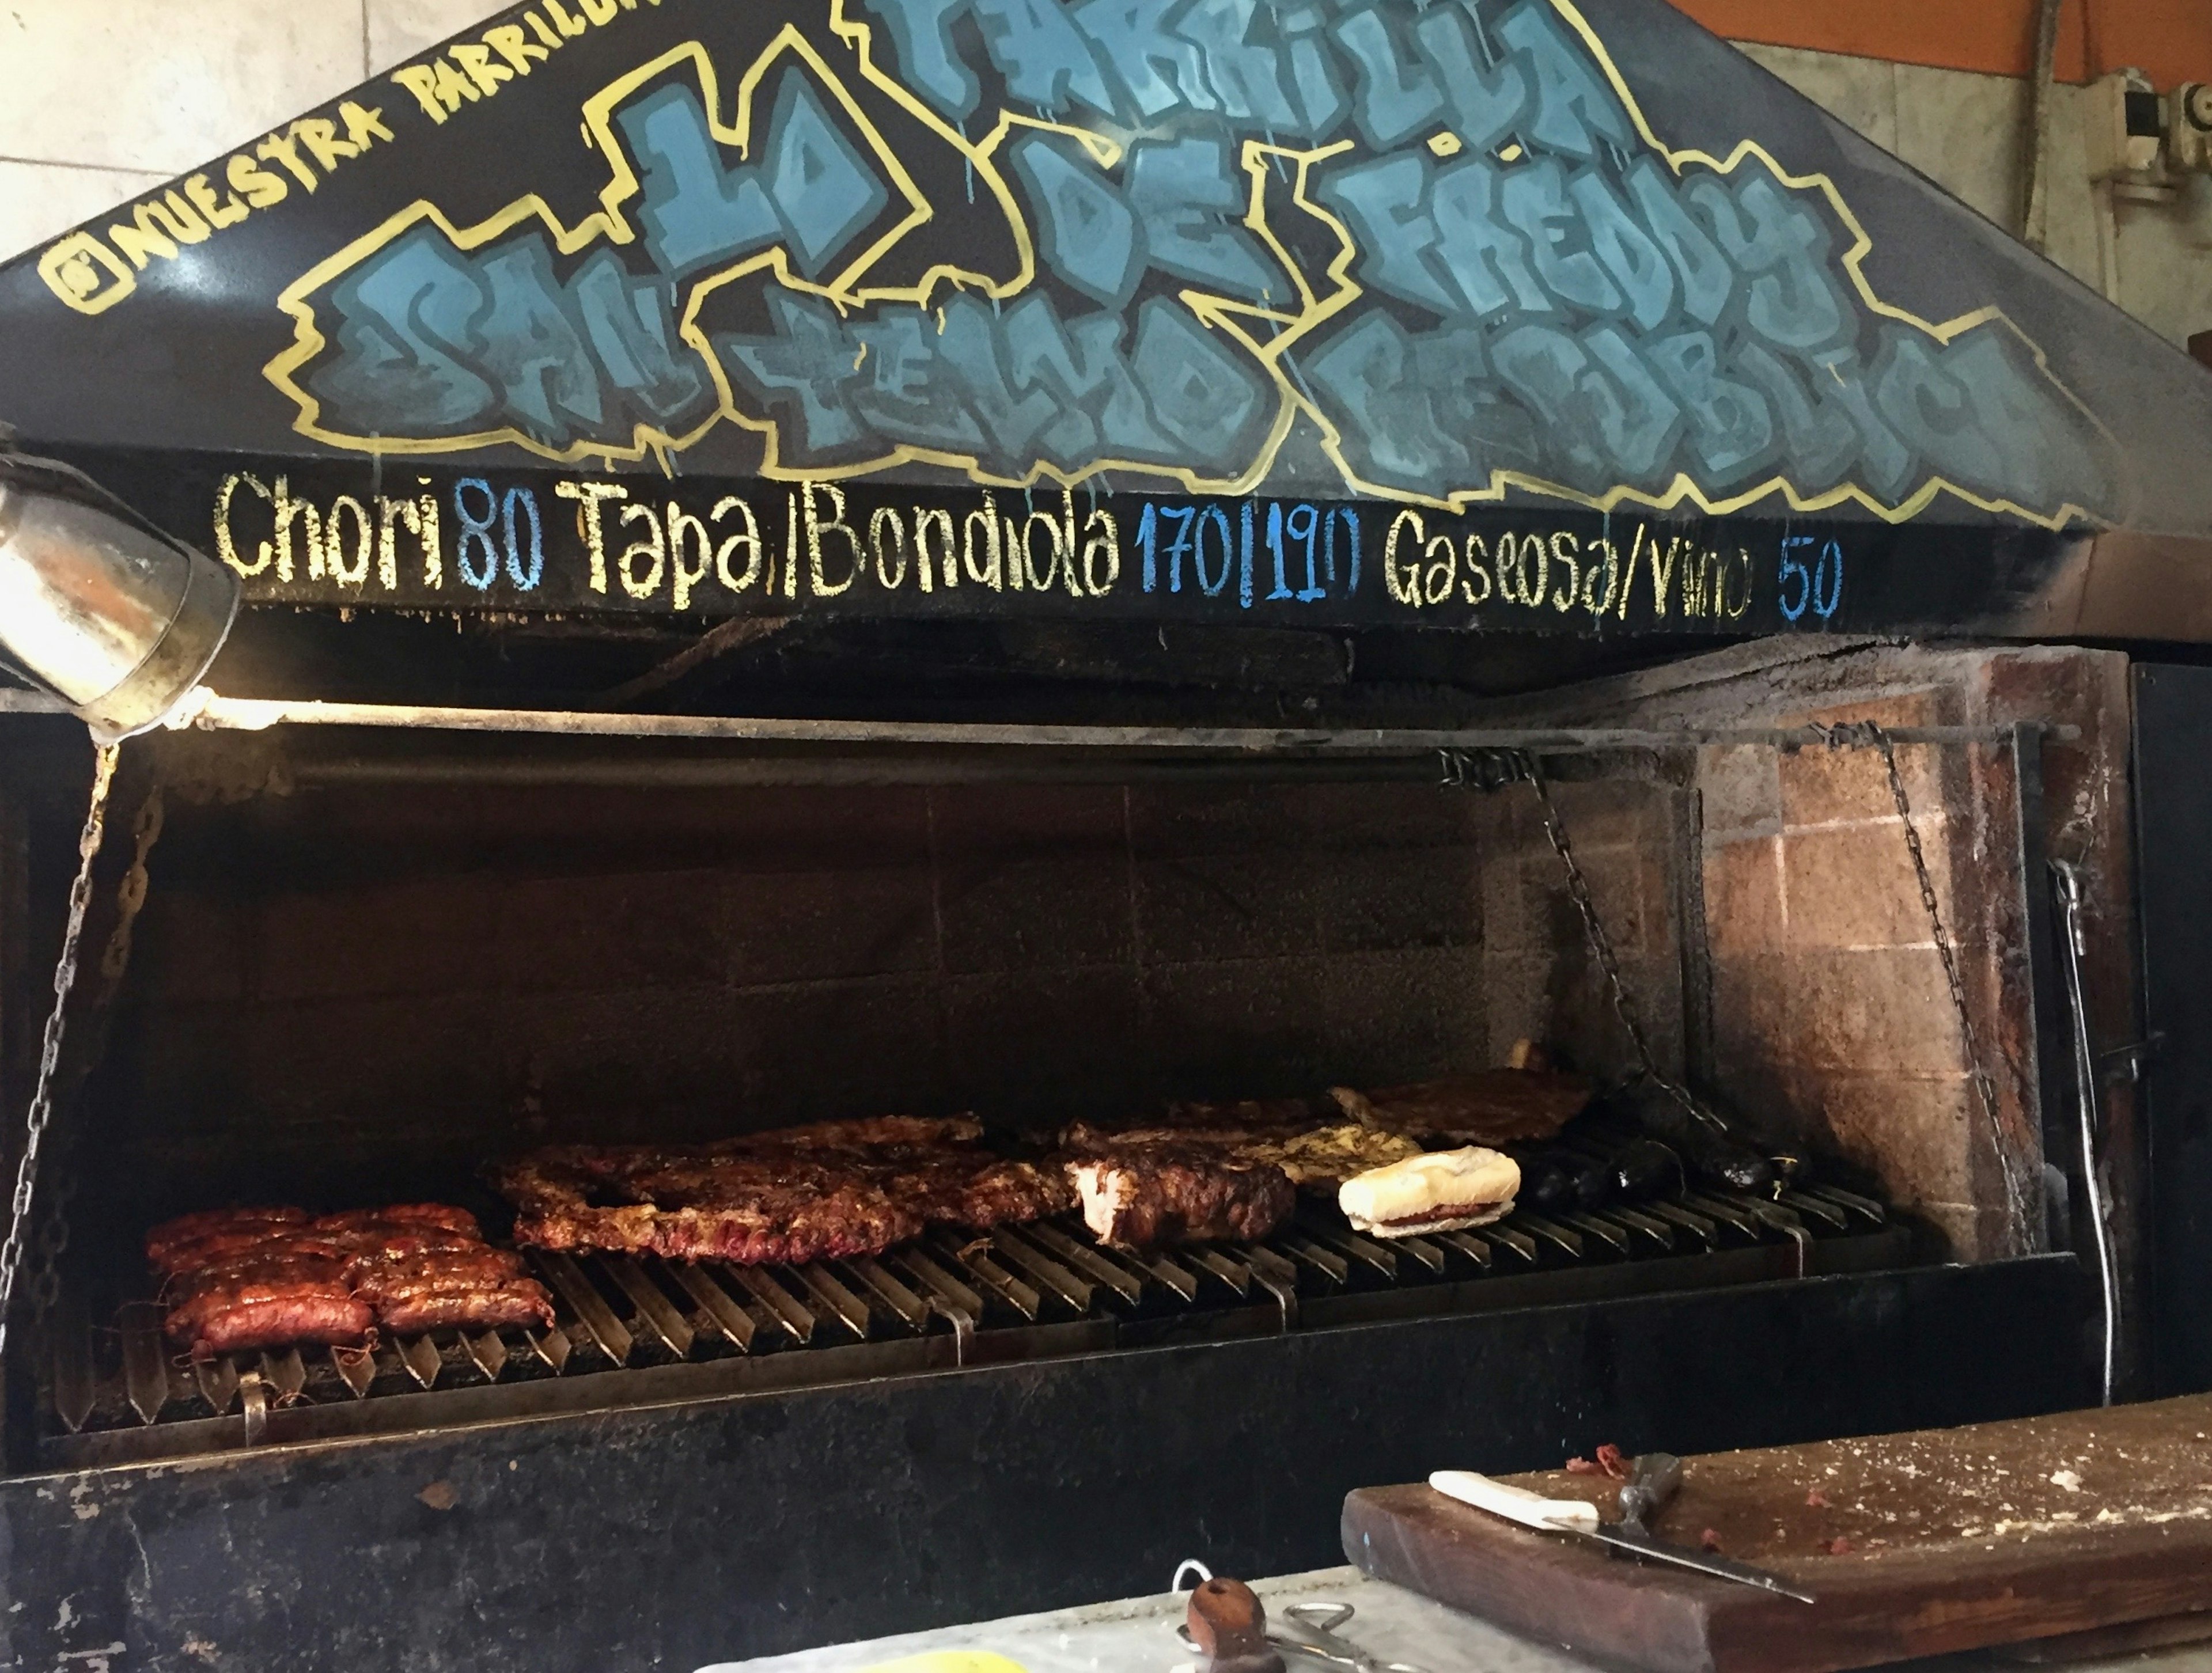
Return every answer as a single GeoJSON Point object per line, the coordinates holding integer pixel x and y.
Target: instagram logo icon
{"type": "Point", "coordinates": [86, 274]}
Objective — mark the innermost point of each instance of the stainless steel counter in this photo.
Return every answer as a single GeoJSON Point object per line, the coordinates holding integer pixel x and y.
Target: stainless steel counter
{"type": "Point", "coordinates": [1137, 1635]}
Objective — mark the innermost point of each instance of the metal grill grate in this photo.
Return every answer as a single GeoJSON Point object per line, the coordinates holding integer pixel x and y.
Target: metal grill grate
{"type": "Point", "coordinates": [118, 1392]}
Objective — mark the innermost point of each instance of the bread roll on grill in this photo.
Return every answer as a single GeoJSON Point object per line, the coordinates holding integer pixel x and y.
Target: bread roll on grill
{"type": "Point", "coordinates": [1440, 1191]}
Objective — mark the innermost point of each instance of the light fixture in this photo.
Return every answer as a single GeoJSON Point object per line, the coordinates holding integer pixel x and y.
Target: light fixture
{"type": "Point", "coordinates": [97, 605]}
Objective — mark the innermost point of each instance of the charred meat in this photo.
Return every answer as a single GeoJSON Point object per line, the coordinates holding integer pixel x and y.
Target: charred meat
{"type": "Point", "coordinates": [1142, 1193]}
{"type": "Point", "coordinates": [1491, 1108]}
{"type": "Point", "coordinates": [839, 1188]}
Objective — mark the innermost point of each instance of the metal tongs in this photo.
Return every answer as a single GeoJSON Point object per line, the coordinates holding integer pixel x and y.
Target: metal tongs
{"type": "Point", "coordinates": [1322, 1619]}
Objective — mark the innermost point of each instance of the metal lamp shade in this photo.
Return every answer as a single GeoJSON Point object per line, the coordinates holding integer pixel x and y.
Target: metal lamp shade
{"type": "Point", "coordinates": [98, 606]}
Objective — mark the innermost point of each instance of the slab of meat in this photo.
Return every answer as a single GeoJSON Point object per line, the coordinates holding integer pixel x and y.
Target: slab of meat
{"type": "Point", "coordinates": [520, 1302]}
{"type": "Point", "coordinates": [1142, 1195]}
{"type": "Point", "coordinates": [696, 1205]}
{"type": "Point", "coordinates": [1317, 1154]}
{"type": "Point", "coordinates": [874, 1138]}
{"type": "Point", "coordinates": [1490, 1108]}
{"type": "Point", "coordinates": [1250, 1114]}
{"type": "Point", "coordinates": [244, 1279]}
{"type": "Point", "coordinates": [980, 1192]}
{"type": "Point", "coordinates": [837, 1188]}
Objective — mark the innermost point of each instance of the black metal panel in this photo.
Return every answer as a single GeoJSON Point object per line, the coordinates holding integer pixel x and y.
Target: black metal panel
{"type": "Point", "coordinates": [540, 321]}
{"type": "Point", "coordinates": [2173, 825]}
{"type": "Point", "coordinates": [677, 1536]}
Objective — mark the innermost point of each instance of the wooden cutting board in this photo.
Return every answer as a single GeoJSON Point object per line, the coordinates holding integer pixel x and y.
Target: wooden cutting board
{"type": "Point", "coordinates": [1913, 1544]}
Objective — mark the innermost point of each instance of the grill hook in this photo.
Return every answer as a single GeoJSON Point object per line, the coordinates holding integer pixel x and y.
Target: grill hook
{"type": "Point", "coordinates": [254, 1395]}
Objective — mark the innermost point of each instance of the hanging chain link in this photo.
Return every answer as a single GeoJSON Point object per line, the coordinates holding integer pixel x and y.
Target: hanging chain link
{"type": "Point", "coordinates": [50, 1049]}
{"type": "Point", "coordinates": [115, 961]}
{"type": "Point", "coordinates": [1863, 732]}
{"type": "Point", "coordinates": [1492, 769]}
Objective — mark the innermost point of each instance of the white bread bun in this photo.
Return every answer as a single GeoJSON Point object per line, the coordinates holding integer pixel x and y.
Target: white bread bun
{"type": "Point", "coordinates": [1439, 1191]}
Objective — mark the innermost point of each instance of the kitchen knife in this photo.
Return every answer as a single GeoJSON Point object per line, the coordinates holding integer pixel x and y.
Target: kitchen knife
{"type": "Point", "coordinates": [1647, 1489]}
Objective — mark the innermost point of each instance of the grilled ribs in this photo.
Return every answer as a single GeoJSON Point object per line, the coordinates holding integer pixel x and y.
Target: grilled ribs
{"type": "Point", "coordinates": [246, 1278]}
{"type": "Point", "coordinates": [838, 1188]}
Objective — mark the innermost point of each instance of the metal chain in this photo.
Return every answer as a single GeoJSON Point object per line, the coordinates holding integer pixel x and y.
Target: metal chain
{"type": "Point", "coordinates": [1498, 768]}
{"type": "Point", "coordinates": [50, 1050]}
{"type": "Point", "coordinates": [115, 961]}
{"type": "Point", "coordinates": [1851, 734]}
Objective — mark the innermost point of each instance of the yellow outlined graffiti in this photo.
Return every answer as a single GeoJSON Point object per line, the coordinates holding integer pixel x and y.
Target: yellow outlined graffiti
{"type": "Point", "coordinates": [1682, 490]}
{"type": "Point", "coordinates": [1243, 322]}
{"type": "Point", "coordinates": [846, 290]}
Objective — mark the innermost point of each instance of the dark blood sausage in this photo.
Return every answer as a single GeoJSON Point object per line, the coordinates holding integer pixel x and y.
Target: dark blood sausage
{"type": "Point", "coordinates": [1545, 1186]}
{"type": "Point", "coordinates": [1645, 1168]}
{"type": "Point", "coordinates": [1792, 1167]}
{"type": "Point", "coordinates": [1713, 1155]}
{"type": "Point", "coordinates": [1728, 1163]}
{"type": "Point", "coordinates": [1594, 1183]}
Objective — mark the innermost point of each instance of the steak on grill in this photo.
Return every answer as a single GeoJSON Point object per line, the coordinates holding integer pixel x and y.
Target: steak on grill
{"type": "Point", "coordinates": [1489, 1108]}
{"type": "Point", "coordinates": [1317, 1156]}
{"type": "Point", "coordinates": [1143, 1193]}
{"type": "Point", "coordinates": [795, 1194]}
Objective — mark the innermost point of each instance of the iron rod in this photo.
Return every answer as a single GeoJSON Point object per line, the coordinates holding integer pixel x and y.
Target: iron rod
{"type": "Point", "coordinates": [255, 714]}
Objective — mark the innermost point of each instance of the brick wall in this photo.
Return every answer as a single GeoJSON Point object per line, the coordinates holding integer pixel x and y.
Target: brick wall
{"type": "Point", "coordinates": [1541, 980]}
{"type": "Point", "coordinates": [1829, 1011]}
{"type": "Point", "coordinates": [337, 992]}
{"type": "Point", "coordinates": [1829, 996]}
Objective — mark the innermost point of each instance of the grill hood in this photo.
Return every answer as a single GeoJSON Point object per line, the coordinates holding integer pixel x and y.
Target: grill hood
{"type": "Point", "coordinates": [1067, 307]}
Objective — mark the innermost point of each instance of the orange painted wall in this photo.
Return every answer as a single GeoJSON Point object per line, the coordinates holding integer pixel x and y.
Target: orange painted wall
{"type": "Point", "coordinates": [2171, 40]}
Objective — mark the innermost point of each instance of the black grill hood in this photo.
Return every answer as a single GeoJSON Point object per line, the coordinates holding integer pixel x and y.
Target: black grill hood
{"type": "Point", "coordinates": [1518, 314]}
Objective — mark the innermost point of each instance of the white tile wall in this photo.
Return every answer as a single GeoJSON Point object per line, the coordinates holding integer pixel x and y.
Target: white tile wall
{"type": "Point", "coordinates": [162, 85]}
{"type": "Point", "coordinates": [2165, 262]}
{"type": "Point", "coordinates": [1859, 92]}
{"type": "Point", "coordinates": [399, 29]}
{"type": "Point", "coordinates": [38, 200]}
{"type": "Point", "coordinates": [1968, 133]}
{"type": "Point", "coordinates": [106, 97]}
